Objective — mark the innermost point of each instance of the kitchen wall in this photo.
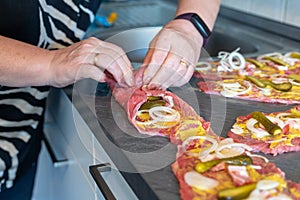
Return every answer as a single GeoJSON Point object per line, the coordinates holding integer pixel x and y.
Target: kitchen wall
{"type": "Point", "coordinates": [285, 11]}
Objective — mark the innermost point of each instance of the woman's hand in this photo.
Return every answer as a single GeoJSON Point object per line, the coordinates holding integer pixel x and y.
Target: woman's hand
{"type": "Point", "coordinates": [172, 56]}
{"type": "Point", "coordinates": [89, 59]}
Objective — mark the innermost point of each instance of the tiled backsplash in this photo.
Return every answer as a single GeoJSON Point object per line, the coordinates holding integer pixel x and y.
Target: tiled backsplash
{"type": "Point", "coordinates": [285, 11]}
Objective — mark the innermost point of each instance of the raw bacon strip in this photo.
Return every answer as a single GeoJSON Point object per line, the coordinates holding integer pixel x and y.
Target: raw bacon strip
{"type": "Point", "coordinates": [255, 94]}
{"type": "Point", "coordinates": [132, 98]}
{"type": "Point", "coordinates": [259, 170]}
{"type": "Point", "coordinates": [287, 141]}
{"type": "Point", "coordinates": [192, 124]}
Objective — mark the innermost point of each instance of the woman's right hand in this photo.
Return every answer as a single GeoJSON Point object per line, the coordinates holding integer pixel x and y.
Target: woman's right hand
{"type": "Point", "coordinates": [89, 59]}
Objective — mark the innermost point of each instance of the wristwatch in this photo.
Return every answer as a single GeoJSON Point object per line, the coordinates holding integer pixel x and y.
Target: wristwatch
{"type": "Point", "coordinates": [198, 23]}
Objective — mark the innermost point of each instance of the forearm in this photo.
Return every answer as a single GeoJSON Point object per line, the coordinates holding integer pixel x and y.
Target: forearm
{"type": "Point", "coordinates": [23, 64]}
{"type": "Point", "coordinates": [206, 9]}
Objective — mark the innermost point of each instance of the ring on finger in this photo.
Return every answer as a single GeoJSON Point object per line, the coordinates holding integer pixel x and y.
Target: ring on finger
{"type": "Point", "coordinates": [184, 63]}
{"type": "Point", "coordinates": [95, 58]}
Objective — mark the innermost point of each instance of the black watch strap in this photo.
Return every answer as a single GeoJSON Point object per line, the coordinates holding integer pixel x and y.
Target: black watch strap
{"type": "Point", "coordinates": [198, 23]}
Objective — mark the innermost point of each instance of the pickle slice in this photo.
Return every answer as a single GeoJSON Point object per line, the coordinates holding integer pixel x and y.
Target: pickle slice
{"type": "Point", "coordinates": [270, 127]}
{"type": "Point", "coordinates": [295, 55]}
{"type": "Point", "coordinates": [278, 86]}
{"type": "Point", "coordinates": [237, 193]}
{"type": "Point", "coordinates": [256, 63]}
{"type": "Point", "coordinates": [154, 98]}
{"type": "Point", "coordinates": [256, 81]}
{"type": "Point", "coordinates": [295, 77]}
{"type": "Point", "coordinates": [264, 82]}
{"type": "Point", "coordinates": [150, 104]}
{"type": "Point", "coordinates": [236, 160]}
{"type": "Point", "coordinates": [277, 61]}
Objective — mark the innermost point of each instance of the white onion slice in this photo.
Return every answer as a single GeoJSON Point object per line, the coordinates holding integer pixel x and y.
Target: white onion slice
{"type": "Point", "coordinates": [258, 132]}
{"type": "Point", "coordinates": [276, 120]}
{"type": "Point", "coordinates": [294, 82]}
{"type": "Point", "coordinates": [283, 116]}
{"type": "Point", "coordinates": [274, 54]}
{"type": "Point", "coordinates": [237, 149]}
{"type": "Point", "coordinates": [157, 113]}
{"type": "Point", "coordinates": [240, 60]}
{"type": "Point", "coordinates": [231, 61]}
{"type": "Point", "coordinates": [258, 156]}
{"type": "Point", "coordinates": [170, 100]}
{"type": "Point", "coordinates": [195, 179]}
{"type": "Point", "coordinates": [237, 130]}
{"type": "Point", "coordinates": [157, 117]}
{"type": "Point", "coordinates": [226, 141]}
{"type": "Point", "coordinates": [267, 184]}
{"type": "Point", "coordinates": [202, 63]}
{"type": "Point", "coordinates": [280, 80]}
{"type": "Point", "coordinates": [235, 89]}
{"type": "Point", "coordinates": [257, 167]}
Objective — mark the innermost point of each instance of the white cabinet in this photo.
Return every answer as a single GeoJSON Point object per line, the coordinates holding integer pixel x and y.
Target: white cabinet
{"type": "Point", "coordinates": [75, 148]}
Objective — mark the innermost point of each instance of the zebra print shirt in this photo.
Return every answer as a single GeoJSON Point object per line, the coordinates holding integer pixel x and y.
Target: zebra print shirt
{"type": "Point", "coordinates": [49, 24]}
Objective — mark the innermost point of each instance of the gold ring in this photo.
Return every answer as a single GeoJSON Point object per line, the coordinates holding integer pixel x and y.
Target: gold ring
{"type": "Point", "coordinates": [184, 63]}
{"type": "Point", "coordinates": [95, 59]}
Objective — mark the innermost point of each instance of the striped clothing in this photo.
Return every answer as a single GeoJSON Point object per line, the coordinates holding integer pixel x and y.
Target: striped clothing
{"type": "Point", "coordinates": [49, 24]}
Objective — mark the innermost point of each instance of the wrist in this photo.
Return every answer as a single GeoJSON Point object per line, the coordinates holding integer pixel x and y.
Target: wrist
{"type": "Point", "coordinates": [187, 29]}
{"type": "Point", "coordinates": [198, 24]}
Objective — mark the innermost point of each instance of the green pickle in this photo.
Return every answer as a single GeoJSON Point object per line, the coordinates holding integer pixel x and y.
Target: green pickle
{"type": "Point", "coordinates": [256, 81]}
{"type": "Point", "coordinates": [256, 63]}
{"type": "Point", "coordinates": [295, 55]}
{"type": "Point", "coordinates": [262, 83]}
{"type": "Point", "coordinates": [295, 77]}
{"type": "Point", "coordinates": [236, 160]}
{"type": "Point", "coordinates": [278, 86]}
{"type": "Point", "coordinates": [237, 193]}
{"type": "Point", "coordinates": [154, 98]}
{"type": "Point", "coordinates": [270, 127]}
{"type": "Point", "coordinates": [276, 60]}
{"type": "Point", "coordinates": [150, 104]}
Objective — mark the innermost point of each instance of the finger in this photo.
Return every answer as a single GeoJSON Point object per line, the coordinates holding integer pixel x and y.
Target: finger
{"type": "Point", "coordinates": [119, 56]}
{"type": "Point", "coordinates": [168, 73]}
{"type": "Point", "coordinates": [187, 76]}
{"type": "Point", "coordinates": [148, 57]}
{"type": "Point", "coordinates": [93, 72]}
{"type": "Point", "coordinates": [107, 62]}
{"type": "Point", "coordinates": [116, 64]}
{"type": "Point", "coordinates": [157, 59]}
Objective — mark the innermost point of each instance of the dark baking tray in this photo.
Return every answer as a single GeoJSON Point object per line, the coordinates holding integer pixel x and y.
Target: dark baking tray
{"type": "Point", "coordinates": [161, 183]}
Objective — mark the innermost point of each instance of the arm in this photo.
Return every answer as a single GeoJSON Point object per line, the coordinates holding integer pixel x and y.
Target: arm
{"type": "Point", "coordinates": [23, 64]}
{"type": "Point", "coordinates": [178, 41]}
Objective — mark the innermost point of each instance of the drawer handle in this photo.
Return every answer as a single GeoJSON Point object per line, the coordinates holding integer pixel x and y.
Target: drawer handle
{"type": "Point", "coordinates": [95, 171]}
{"type": "Point", "coordinates": [56, 162]}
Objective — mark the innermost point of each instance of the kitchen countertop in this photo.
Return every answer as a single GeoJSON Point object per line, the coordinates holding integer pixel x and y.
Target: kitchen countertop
{"type": "Point", "coordinates": [145, 161]}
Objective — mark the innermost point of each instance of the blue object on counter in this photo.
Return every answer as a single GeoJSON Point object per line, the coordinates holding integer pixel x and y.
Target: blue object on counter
{"type": "Point", "coordinates": [102, 21]}
{"type": "Point", "coordinates": [106, 21]}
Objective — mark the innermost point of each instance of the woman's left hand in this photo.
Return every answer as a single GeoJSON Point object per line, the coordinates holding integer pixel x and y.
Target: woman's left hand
{"type": "Point", "coordinates": [172, 55]}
